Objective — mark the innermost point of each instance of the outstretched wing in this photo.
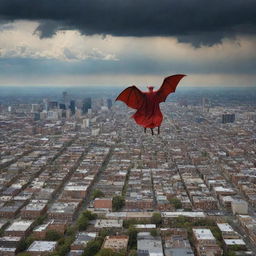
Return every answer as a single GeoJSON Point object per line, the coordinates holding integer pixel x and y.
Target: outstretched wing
{"type": "Point", "coordinates": [169, 85]}
{"type": "Point", "coordinates": [132, 97]}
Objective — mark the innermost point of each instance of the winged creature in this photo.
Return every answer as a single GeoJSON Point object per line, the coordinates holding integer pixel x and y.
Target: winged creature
{"type": "Point", "coordinates": [148, 114]}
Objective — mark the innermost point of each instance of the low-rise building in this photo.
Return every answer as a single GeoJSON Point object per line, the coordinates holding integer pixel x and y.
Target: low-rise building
{"type": "Point", "coordinates": [102, 204]}
{"type": "Point", "coordinates": [116, 243]}
{"type": "Point", "coordinates": [205, 242]}
{"type": "Point", "coordinates": [40, 248]}
{"type": "Point", "coordinates": [34, 209]}
{"type": "Point", "coordinates": [149, 245]}
{"type": "Point", "coordinates": [82, 239]}
{"type": "Point", "coordinates": [19, 228]}
{"type": "Point", "coordinates": [103, 223]}
{"type": "Point", "coordinates": [63, 210]}
{"type": "Point", "coordinates": [239, 206]}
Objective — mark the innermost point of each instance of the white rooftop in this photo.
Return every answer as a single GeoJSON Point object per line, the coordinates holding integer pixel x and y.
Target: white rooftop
{"type": "Point", "coordinates": [42, 246]}
{"type": "Point", "coordinates": [225, 227]}
{"type": "Point", "coordinates": [234, 241]}
{"type": "Point", "coordinates": [203, 234]}
{"type": "Point", "coordinates": [185, 214]}
{"type": "Point", "coordinates": [108, 223]}
{"type": "Point", "coordinates": [21, 225]}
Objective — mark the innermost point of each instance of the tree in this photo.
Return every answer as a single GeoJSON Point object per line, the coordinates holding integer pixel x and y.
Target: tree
{"type": "Point", "coordinates": [52, 235]}
{"type": "Point", "coordinates": [153, 232]}
{"type": "Point", "coordinates": [106, 252]}
{"type": "Point", "coordinates": [156, 218]}
{"type": "Point", "coordinates": [89, 215]}
{"type": "Point", "coordinates": [133, 253]}
{"type": "Point", "coordinates": [71, 230]}
{"type": "Point", "coordinates": [82, 223]}
{"type": "Point", "coordinates": [107, 232]}
{"type": "Point", "coordinates": [118, 203]}
{"type": "Point", "coordinates": [230, 253]}
{"type": "Point", "coordinates": [97, 194]}
{"type": "Point", "coordinates": [92, 247]}
{"type": "Point", "coordinates": [176, 203]}
{"type": "Point", "coordinates": [24, 254]}
{"type": "Point", "coordinates": [132, 233]}
{"type": "Point", "coordinates": [22, 245]}
{"type": "Point", "coordinates": [25, 243]}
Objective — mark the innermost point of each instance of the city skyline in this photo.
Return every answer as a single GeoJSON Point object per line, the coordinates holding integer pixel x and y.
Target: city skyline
{"type": "Point", "coordinates": [75, 169]}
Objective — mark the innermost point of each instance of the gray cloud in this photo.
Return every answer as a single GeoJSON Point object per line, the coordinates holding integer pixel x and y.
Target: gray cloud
{"type": "Point", "coordinates": [198, 22]}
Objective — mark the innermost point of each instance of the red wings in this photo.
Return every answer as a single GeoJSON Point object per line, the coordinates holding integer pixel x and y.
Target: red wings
{"type": "Point", "coordinates": [169, 85]}
{"type": "Point", "coordinates": [132, 97]}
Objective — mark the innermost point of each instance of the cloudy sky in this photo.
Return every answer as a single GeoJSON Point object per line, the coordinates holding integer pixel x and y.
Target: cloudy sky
{"type": "Point", "coordinates": [124, 42]}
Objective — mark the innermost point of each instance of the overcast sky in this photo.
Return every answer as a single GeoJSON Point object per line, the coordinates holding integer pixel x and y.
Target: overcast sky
{"type": "Point", "coordinates": [124, 42]}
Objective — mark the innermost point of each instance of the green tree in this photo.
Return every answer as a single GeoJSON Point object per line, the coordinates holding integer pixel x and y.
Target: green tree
{"type": "Point", "coordinates": [129, 223]}
{"type": "Point", "coordinates": [24, 254]}
{"type": "Point", "coordinates": [40, 220]}
{"type": "Point", "coordinates": [71, 230]}
{"type": "Point", "coordinates": [118, 203]}
{"type": "Point", "coordinates": [132, 233]}
{"type": "Point", "coordinates": [52, 235]}
{"type": "Point", "coordinates": [106, 232]}
{"type": "Point", "coordinates": [133, 253]}
{"type": "Point", "coordinates": [82, 223]}
{"type": "Point", "coordinates": [97, 194]}
{"type": "Point", "coordinates": [106, 252]}
{"type": "Point", "coordinates": [230, 253]}
{"type": "Point", "coordinates": [154, 232]}
{"type": "Point", "coordinates": [25, 243]}
{"type": "Point", "coordinates": [89, 215]}
{"type": "Point", "coordinates": [156, 218]}
{"type": "Point", "coordinates": [92, 247]}
{"type": "Point", "coordinates": [176, 203]}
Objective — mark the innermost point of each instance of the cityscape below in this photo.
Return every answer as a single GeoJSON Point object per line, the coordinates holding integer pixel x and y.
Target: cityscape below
{"type": "Point", "coordinates": [79, 177]}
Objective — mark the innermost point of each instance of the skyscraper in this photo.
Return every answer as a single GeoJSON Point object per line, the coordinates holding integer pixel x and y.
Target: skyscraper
{"type": "Point", "coordinates": [65, 98]}
{"type": "Point", "coordinates": [87, 104]}
{"type": "Point", "coordinates": [72, 107]}
{"type": "Point", "coordinates": [109, 103]}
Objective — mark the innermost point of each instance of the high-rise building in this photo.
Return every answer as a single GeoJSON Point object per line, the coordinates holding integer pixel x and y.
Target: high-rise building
{"type": "Point", "coordinates": [87, 104]}
{"type": "Point", "coordinates": [35, 108]}
{"type": "Point", "coordinates": [62, 106]}
{"type": "Point", "coordinates": [72, 107]}
{"type": "Point", "coordinates": [45, 104]}
{"type": "Point", "coordinates": [228, 118]}
{"type": "Point", "coordinates": [65, 98]}
{"type": "Point", "coordinates": [205, 104]}
{"type": "Point", "coordinates": [109, 103]}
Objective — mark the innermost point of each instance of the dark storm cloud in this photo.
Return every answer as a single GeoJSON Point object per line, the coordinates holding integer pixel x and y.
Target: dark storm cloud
{"type": "Point", "coordinates": [195, 21]}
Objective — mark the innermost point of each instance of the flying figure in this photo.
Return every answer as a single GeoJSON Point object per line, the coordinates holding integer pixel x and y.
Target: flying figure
{"type": "Point", "coordinates": [148, 114]}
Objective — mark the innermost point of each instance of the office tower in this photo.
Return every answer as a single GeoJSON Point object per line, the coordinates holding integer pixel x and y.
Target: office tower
{"type": "Point", "coordinates": [45, 104]}
{"type": "Point", "coordinates": [35, 108]}
{"type": "Point", "coordinates": [205, 104]}
{"type": "Point", "coordinates": [87, 104]}
{"type": "Point", "coordinates": [228, 118]}
{"type": "Point", "coordinates": [65, 98]}
{"type": "Point", "coordinates": [62, 106]}
{"type": "Point", "coordinates": [72, 107]}
{"type": "Point", "coordinates": [109, 103]}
